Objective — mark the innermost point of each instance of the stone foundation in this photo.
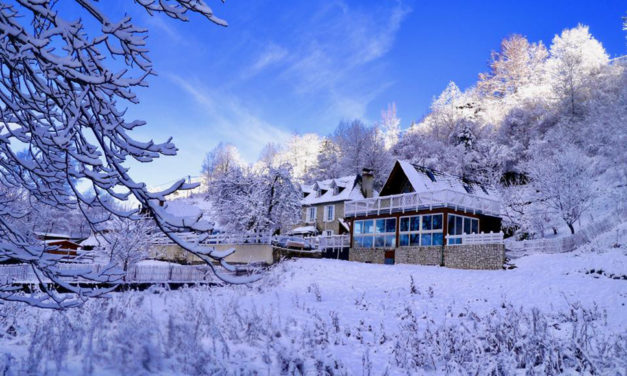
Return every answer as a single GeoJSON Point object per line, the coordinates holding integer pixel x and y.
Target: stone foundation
{"type": "Point", "coordinates": [467, 256]}
{"type": "Point", "coordinates": [418, 255]}
{"type": "Point", "coordinates": [373, 256]}
{"type": "Point", "coordinates": [474, 256]}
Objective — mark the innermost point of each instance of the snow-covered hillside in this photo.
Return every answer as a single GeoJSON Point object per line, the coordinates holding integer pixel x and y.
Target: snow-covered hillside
{"type": "Point", "coordinates": [559, 312]}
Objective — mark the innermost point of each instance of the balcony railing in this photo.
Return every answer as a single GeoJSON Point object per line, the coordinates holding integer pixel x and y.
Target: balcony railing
{"type": "Point", "coordinates": [481, 238]}
{"type": "Point", "coordinates": [414, 201]}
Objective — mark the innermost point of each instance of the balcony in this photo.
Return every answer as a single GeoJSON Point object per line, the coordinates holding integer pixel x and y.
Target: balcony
{"type": "Point", "coordinates": [414, 201]}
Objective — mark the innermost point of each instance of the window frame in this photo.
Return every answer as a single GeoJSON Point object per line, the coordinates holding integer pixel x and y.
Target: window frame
{"type": "Point", "coordinates": [327, 211]}
{"type": "Point", "coordinates": [420, 231]}
{"type": "Point", "coordinates": [456, 239]}
{"type": "Point", "coordinates": [308, 216]}
{"type": "Point", "coordinates": [364, 239]}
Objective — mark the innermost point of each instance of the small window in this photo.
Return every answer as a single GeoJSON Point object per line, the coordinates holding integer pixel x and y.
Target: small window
{"type": "Point", "coordinates": [415, 223]}
{"type": "Point", "coordinates": [426, 222]}
{"type": "Point", "coordinates": [329, 213]}
{"type": "Point", "coordinates": [359, 226]}
{"type": "Point", "coordinates": [459, 225]}
{"type": "Point", "coordinates": [404, 240]}
{"type": "Point", "coordinates": [404, 224]}
{"type": "Point", "coordinates": [328, 232]}
{"type": "Point", "coordinates": [369, 226]}
{"type": "Point", "coordinates": [311, 214]}
{"type": "Point", "coordinates": [425, 239]}
{"type": "Point", "coordinates": [437, 222]}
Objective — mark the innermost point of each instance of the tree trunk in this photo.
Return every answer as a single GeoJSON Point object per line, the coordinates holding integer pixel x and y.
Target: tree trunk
{"type": "Point", "coordinates": [572, 229]}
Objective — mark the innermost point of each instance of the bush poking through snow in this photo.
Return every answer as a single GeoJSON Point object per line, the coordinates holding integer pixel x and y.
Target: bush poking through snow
{"type": "Point", "coordinates": [123, 335]}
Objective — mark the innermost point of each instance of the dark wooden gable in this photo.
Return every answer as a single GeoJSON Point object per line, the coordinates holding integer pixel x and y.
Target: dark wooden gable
{"type": "Point", "coordinates": [397, 182]}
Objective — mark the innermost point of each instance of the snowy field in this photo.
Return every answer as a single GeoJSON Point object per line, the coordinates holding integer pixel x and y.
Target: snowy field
{"type": "Point", "coordinates": [553, 313]}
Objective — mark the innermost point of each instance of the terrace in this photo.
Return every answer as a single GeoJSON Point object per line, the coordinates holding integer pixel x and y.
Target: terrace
{"type": "Point", "coordinates": [414, 201]}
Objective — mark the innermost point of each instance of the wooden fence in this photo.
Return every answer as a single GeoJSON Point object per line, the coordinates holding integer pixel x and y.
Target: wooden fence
{"type": "Point", "coordinates": [569, 243]}
{"type": "Point", "coordinates": [171, 273]}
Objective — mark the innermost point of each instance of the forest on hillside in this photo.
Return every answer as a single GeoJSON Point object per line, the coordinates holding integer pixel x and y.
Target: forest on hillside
{"type": "Point", "coordinates": [545, 124]}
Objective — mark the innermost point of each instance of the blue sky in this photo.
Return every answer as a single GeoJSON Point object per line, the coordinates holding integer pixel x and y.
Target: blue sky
{"type": "Point", "coordinates": [285, 67]}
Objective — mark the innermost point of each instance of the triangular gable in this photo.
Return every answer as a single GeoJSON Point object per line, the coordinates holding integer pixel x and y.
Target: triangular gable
{"type": "Point", "coordinates": [406, 177]}
{"type": "Point", "coordinates": [397, 182]}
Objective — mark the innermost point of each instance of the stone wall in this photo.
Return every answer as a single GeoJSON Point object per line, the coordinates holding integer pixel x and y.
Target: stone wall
{"type": "Point", "coordinates": [418, 255]}
{"type": "Point", "coordinates": [474, 256]}
{"type": "Point", "coordinates": [244, 253]}
{"type": "Point", "coordinates": [467, 256]}
{"type": "Point", "coordinates": [374, 256]}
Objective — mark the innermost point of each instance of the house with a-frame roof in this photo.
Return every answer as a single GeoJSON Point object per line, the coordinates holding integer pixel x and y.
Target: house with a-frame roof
{"type": "Point", "coordinates": [423, 216]}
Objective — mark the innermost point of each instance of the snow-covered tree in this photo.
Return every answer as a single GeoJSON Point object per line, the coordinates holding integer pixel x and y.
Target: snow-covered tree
{"type": "Point", "coordinates": [127, 242]}
{"type": "Point", "coordinates": [389, 126]}
{"type": "Point", "coordinates": [279, 198]}
{"type": "Point", "coordinates": [576, 60]}
{"type": "Point", "coordinates": [328, 162]}
{"type": "Point", "coordinates": [561, 179]}
{"type": "Point", "coordinates": [250, 200]}
{"type": "Point", "coordinates": [219, 161]}
{"type": "Point", "coordinates": [362, 147]}
{"type": "Point", "coordinates": [62, 93]}
{"type": "Point", "coordinates": [517, 64]}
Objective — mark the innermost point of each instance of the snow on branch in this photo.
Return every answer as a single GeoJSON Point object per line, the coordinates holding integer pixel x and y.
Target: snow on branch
{"type": "Point", "coordinates": [60, 101]}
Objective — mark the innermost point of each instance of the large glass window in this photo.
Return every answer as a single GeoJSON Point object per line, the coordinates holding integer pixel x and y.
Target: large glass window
{"type": "Point", "coordinates": [458, 225]}
{"type": "Point", "coordinates": [419, 230]}
{"type": "Point", "coordinates": [377, 233]}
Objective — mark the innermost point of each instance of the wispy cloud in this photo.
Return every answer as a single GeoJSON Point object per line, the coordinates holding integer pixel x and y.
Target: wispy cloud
{"type": "Point", "coordinates": [232, 121]}
{"type": "Point", "coordinates": [336, 54]}
{"type": "Point", "coordinates": [272, 54]}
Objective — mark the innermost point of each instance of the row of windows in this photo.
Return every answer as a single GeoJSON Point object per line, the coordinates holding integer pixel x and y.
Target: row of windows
{"type": "Point", "coordinates": [423, 230]}
{"type": "Point", "coordinates": [421, 239]}
{"type": "Point", "coordinates": [379, 226]}
{"type": "Point", "coordinates": [416, 230]}
{"type": "Point", "coordinates": [329, 214]}
{"type": "Point", "coordinates": [421, 223]}
{"type": "Point", "coordinates": [378, 233]}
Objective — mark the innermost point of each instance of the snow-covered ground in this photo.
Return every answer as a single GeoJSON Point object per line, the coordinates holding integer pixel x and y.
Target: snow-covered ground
{"type": "Point", "coordinates": [558, 312]}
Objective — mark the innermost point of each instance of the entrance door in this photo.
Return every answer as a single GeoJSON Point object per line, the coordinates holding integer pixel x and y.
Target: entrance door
{"type": "Point", "coordinates": [389, 257]}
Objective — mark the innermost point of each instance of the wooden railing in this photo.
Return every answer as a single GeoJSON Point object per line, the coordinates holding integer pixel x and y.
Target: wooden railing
{"type": "Point", "coordinates": [314, 242]}
{"type": "Point", "coordinates": [423, 200]}
{"type": "Point", "coordinates": [481, 238]}
{"type": "Point", "coordinates": [334, 241]}
{"type": "Point", "coordinates": [231, 238]}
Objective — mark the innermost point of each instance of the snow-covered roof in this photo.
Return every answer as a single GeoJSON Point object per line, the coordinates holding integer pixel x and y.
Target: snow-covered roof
{"type": "Point", "coordinates": [344, 224]}
{"type": "Point", "coordinates": [94, 240]}
{"type": "Point", "coordinates": [60, 241]}
{"type": "Point", "coordinates": [348, 188]}
{"type": "Point", "coordinates": [304, 230]}
{"type": "Point", "coordinates": [57, 236]}
{"type": "Point", "coordinates": [423, 179]}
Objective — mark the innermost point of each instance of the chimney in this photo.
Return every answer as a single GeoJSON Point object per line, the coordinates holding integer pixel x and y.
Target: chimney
{"type": "Point", "coordinates": [367, 182]}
